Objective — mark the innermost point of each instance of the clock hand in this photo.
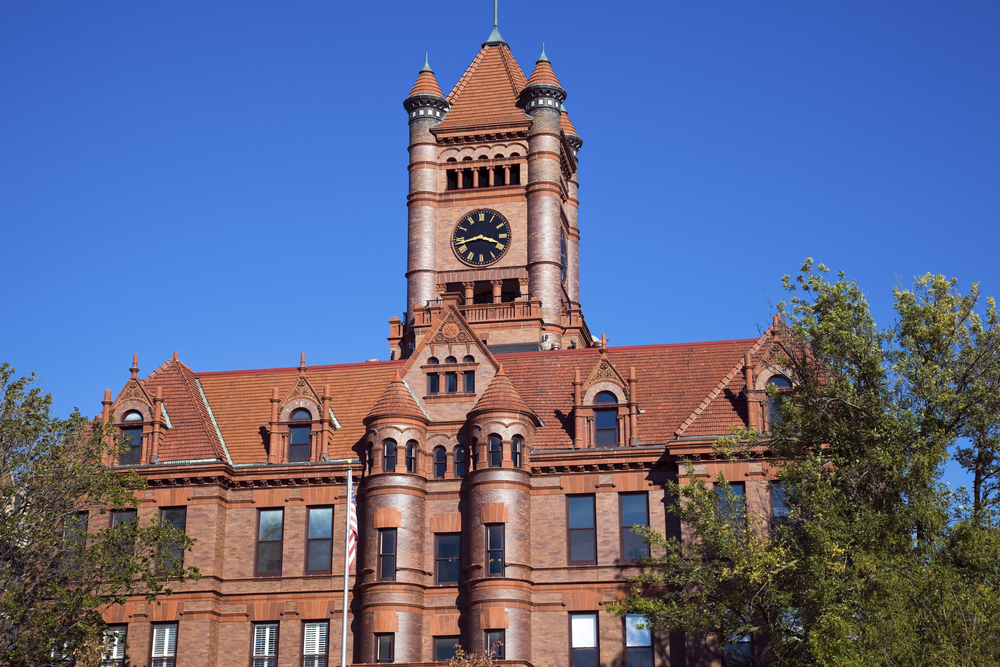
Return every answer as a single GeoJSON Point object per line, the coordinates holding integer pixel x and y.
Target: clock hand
{"type": "Point", "coordinates": [486, 238]}
{"type": "Point", "coordinates": [474, 238]}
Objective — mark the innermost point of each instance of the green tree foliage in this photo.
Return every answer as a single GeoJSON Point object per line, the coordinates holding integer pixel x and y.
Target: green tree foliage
{"type": "Point", "coordinates": [878, 562]}
{"type": "Point", "coordinates": [59, 572]}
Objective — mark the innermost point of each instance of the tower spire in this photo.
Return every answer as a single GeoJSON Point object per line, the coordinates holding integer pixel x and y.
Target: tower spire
{"type": "Point", "coordinates": [494, 37]}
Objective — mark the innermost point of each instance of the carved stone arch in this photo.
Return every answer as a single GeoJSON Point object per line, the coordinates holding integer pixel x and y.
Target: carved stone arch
{"type": "Point", "coordinates": [605, 385]}
{"type": "Point", "coordinates": [132, 405]}
{"type": "Point", "coordinates": [450, 152]}
{"type": "Point", "coordinates": [764, 375]}
{"type": "Point", "coordinates": [302, 395]}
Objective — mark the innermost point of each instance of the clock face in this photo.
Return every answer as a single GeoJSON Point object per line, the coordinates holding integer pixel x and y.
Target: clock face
{"type": "Point", "coordinates": [481, 237]}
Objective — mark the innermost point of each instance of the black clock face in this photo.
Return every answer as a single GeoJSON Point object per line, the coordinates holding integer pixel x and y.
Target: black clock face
{"type": "Point", "coordinates": [481, 237]}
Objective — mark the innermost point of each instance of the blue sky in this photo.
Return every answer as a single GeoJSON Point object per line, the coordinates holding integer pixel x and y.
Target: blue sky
{"type": "Point", "coordinates": [228, 179]}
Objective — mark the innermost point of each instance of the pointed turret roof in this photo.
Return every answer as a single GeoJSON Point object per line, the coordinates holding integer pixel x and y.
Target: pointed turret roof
{"type": "Point", "coordinates": [426, 84]}
{"type": "Point", "coordinates": [501, 395]}
{"type": "Point", "coordinates": [565, 123]}
{"type": "Point", "coordinates": [487, 93]}
{"type": "Point", "coordinates": [543, 72]}
{"type": "Point", "coordinates": [396, 401]}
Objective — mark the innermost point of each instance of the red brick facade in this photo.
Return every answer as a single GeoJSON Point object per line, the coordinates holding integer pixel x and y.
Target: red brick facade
{"type": "Point", "coordinates": [500, 409]}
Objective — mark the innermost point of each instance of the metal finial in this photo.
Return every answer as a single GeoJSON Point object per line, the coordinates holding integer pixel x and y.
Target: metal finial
{"type": "Point", "coordinates": [426, 67]}
{"type": "Point", "coordinates": [542, 58]}
{"type": "Point", "coordinates": [494, 14]}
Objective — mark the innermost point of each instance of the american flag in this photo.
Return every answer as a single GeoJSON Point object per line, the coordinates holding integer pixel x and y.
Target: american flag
{"type": "Point", "coordinates": [352, 523]}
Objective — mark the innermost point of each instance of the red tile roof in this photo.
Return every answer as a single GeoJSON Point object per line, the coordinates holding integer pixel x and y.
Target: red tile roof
{"type": "Point", "coordinates": [501, 395]}
{"type": "Point", "coordinates": [543, 74]}
{"type": "Point", "coordinates": [672, 381]}
{"type": "Point", "coordinates": [487, 93]}
{"type": "Point", "coordinates": [566, 124]}
{"type": "Point", "coordinates": [191, 434]}
{"type": "Point", "coordinates": [397, 400]}
{"type": "Point", "coordinates": [241, 403]}
{"type": "Point", "coordinates": [426, 84]}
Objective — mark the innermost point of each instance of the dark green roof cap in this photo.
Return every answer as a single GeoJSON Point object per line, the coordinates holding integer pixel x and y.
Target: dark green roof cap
{"type": "Point", "coordinates": [426, 67]}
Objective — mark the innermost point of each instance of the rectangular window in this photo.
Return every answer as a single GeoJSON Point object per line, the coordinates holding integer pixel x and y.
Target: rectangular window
{"type": "Point", "coordinates": [606, 428]}
{"type": "Point", "coordinates": [583, 640]}
{"type": "Point", "coordinates": [582, 533]}
{"type": "Point", "coordinates": [75, 536]}
{"type": "Point", "coordinates": [126, 543]}
{"type": "Point", "coordinates": [470, 381]}
{"type": "Point", "coordinates": [494, 550]}
{"type": "Point", "coordinates": [319, 547]}
{"type": "Point", "coordinates": [448, 556]}
{"type": "Point", "coordinates": [732, 505]}
{"type": "Point", "coordinates": [411, 456]}
{"type": "Point", "coordinates": [444, 647]}
{"type": "Point", "coordinates": [133, 438]}
{"type": "Point", "coordinates": [638, 642]}
{"type": "Point", "coordinates": [779, 504]}
{"type": "Point", "coordinates": [495, 641]}
{"type": "Point", "coordinates": [385, 647]}
{"type": "Point", "coordinates": [452, 382]}
{"type": "Point", "coordinates": [265, 645]}
{"type": "Point", "coordinates": [114, 643]}
{"type": "Point", "coordinates": [315, 643]}
{"type": "Point", "coordinates": [164, 647]}
{"type": "Point", "coordinates": [433, 383]}
{"type": "Point", "coordinates": [389, 456]}
{"type": "Point", "coordinates": [299, 443]}
{"type": "Point", "coordinates": [176, 517]}
{"type": "Point", "coordinates": [634, 512]}
{"type": "Point", "coordinates": [270, 528]}
{"type": "Point", "coordinates": [739, 654]}
{"type": "Point", "coordinates": [387, 554]}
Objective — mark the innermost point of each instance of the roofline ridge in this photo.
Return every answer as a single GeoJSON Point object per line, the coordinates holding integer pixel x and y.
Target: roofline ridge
{"type": "Point", "coordinates": [211, 415]}
{"type": "Point", "coordinates": [462, 80]}
{"type": "Point", "coordinates": [283, 370]}
{"type": "Point", "coordinates": [182, 367]}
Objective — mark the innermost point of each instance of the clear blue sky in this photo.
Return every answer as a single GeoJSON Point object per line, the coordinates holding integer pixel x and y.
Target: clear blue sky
{"type": "Point", "coordinates": [228, 179]}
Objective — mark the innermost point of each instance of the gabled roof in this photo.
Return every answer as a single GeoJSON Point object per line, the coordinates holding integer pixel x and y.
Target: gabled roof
{"type": "Point", "coordinates": [397, 401]}
{"type": "Point", "coordinates": [240, 401]}
{"type": "Point", "coordinates": [192, 435]}
{"type": "Point", "coordinates": [672, 381]}
{"type": "Point", "coordinates": [487, 93]}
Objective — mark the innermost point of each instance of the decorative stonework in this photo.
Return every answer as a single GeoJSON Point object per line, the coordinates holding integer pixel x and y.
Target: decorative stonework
{"type": "Point", "coordinates": [302, 389]}
{"type": "Point", "coordinates": [452, 332]}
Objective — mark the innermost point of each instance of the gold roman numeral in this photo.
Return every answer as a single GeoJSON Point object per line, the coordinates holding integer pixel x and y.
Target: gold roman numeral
{"type": "Point", "coordinates": [503, 236]}
{"type": "Point", "coordinates": [482, 216]}
{"type": "Point", "coordinates": [460, 239]}
{"type": "Point", "coordinates": [463, 229]}
{"type": "Point", "coordinates": [470, 257]}
{"type": "Point", "coordinates": [500, 226]}
{"type": "Point", "coordinates": [463, 249]}
{"type": "Point", "coordinates": [500, 246]}
{"type": "Point", "coordinates": [471, 221]}
{"type": "Point", "coordinates": [481, 259]}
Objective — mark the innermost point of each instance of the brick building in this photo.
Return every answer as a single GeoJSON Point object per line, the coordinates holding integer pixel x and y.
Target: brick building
{"type": "Point", "coordinates": [500, 456]}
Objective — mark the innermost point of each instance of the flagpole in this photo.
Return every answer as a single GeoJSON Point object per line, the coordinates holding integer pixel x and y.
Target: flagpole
{"type": "Point", "coordinates": [347, 537]}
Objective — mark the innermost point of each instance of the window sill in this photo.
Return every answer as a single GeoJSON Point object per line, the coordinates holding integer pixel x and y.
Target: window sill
{"type": "Point", "coordinates": [454, 397]}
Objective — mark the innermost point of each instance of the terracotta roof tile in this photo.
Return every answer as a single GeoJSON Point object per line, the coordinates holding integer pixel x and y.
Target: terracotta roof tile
{"type": "Point", "coordinates": [241, 403]}
{"type": "Point", "coordinates": [566, 124]}
{"type": "Point", "coordinates": [397, 400]}
{"type": "Point", "coordinates": [191, 434]}
{"type": "Point", "coordinates": [487, 93]}
{"type": "Point", "coordinates": [426, 84]}
{"type": "Point", "coordinates": [672, 381]}
{"type": "Point", "coordinates": [501, 395]}
{"type": "Point", "coordinates": [543, 74]}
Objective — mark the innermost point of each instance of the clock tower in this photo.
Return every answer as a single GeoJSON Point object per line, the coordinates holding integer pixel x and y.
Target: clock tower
{"type": "Point", "coordinates": [492, 224]}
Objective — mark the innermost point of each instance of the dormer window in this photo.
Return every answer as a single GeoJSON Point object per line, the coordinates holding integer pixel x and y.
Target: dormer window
{"type": "Point", "coordinates": [299, 435]}
{"type": "Point", "coordinates": [132, 432]}
{"type": "Point", "coordinates": [784, 387]}
{"type": "Point", "coordinates": [606, 421]}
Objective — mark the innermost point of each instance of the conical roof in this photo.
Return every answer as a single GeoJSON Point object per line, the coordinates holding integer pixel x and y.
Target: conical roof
{"type": "Point", "coordinates": [565, 123]}
{"type": "Point", "coordinates": [426, 84]}
{"type": "Point", "coordinates": [396, 401]}
{"type": "Point", "coordinates": [487, 94]}
{"type": "Point", "coordinates": [501, 395]}
{"type": "Point", "coordinates": [543, 72]}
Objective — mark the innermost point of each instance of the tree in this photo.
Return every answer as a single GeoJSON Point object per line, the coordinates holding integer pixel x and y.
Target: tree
{"type": "Point", "coordinates": [58, 570]}
{"type": "Point", "coordinates": [878, 563]}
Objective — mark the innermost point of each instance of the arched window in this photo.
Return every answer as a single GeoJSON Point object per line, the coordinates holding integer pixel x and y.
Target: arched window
{"type": "Point", "coordinates": [389, 456]}
{"type": "Point", "coordinates": [450, 360]}
{"type": "Point", "coordinates": [461, 461]}
{"type": "Point", "coordinates": [299, 436]}
{"type": "Point", "coordinates": [433, 379]}
{"type": "Point", "coordinates": [132, 433]}
{"type": "Point", "coordinates": [783, 386]}
{"type": "Point", "coordinates": [606, 421]}
{"type": "Point", "coordinates": [495, 453]}
{"type": "Point", "coordinates": [411, 456]}
{"type": "Point", "coordinates": [516, 445]}
{"type": "Point", "coordinates": [440, 462]}
{"type": "Point", "coordinates": [469, 359]}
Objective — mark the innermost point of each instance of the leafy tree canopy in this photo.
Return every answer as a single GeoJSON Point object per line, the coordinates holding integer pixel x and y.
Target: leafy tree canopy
{"type": "Point", "coordinates": [61, 562]}
{"type": "Point", "coordinates": [877, 562]}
